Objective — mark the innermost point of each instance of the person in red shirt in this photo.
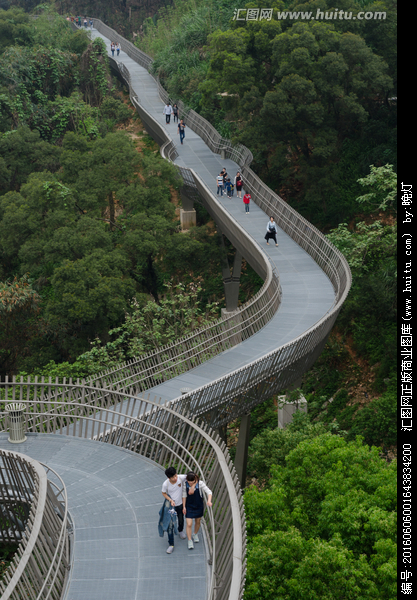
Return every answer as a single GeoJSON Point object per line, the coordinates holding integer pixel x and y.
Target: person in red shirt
{"type": "Point", "coordinates": [246, 201]}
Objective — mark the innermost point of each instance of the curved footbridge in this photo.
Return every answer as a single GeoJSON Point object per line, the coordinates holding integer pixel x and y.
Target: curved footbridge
{"type": "Point", "coordinates": [267, 345]}
{"type": "Point", "coordinates": [167, 405]}
{"type": "Point", "coordinates": [114, 498]}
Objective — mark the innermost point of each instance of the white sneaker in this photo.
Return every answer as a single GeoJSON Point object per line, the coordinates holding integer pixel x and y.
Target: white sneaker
{"type": "Point", "coordinates": [195, 537]}
{"type": "Point", "coordinates": [182, 535]}
{"type": "Point", "coordinates": [170, 549]}
{"type": "Point", "coordinates": [190, 544]}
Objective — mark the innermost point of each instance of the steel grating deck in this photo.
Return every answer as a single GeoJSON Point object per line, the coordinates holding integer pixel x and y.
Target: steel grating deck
{"type": "Point", "coordinates": [307, 293]}
{"type": "Point", "coordinates": [114, 497]}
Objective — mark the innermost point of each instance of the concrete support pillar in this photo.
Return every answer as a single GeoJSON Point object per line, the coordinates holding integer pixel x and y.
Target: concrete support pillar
{"type": "Point", "coordinates": [188, 218]}
{"type": "Point", "coordinates": [241, 459]}
{"type": "Point", "coordinates": [186, 201]}
{"type": "Point", "coordinates": [187, 212]}
{"type": "Point", "coordinates": [286, 409]}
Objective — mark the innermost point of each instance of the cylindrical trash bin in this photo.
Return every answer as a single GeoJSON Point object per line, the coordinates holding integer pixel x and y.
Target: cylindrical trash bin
{"type": "Point", "coordinates": [16, 415]}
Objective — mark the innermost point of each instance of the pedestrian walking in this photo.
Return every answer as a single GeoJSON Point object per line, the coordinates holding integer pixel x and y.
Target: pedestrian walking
{"type": "Point", "coordinates": [175, 111]}
{"type": "Point", "coordinates": [229, 187]}
{"type": "Point", "coordinates": [271, 231]}
{"type": "Point", "coordinates": [193, 503]}
{"type": "Point", "coordinates": [85, 22]}
{"type": "Point", "coordinates": [91, 24]}
{"type": "Point", "coordinates": [112, 48]}
{"type": "Point", "coordinates": [238, 185]}
{"type": "Point", "coordinates": [167, 112]}
{"type": "Point", "coordinates": [181, 130]}
{"type": "Point", "coordinates": [172, 492]}
{"type": "Point", "coordinates": [118, 48]}
{"type": "Point", "coordinates": [246, 201]}
{"type": "Point", "coordinates": [219, 181]}
{"type": "Point", "coordinates": [79, 21]}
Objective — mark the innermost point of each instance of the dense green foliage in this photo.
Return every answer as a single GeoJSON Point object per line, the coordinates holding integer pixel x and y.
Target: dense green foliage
{"type": "Point", "coordinates": [87, 227]}
{"type": "Point", "coordinates": [309, 98]}
{"type": "Point", "coordinates": [7, 552]}
{"type": "Point", "coordinates": [326, 524]}
{"type": "Point", "coordinates": [94, 270]}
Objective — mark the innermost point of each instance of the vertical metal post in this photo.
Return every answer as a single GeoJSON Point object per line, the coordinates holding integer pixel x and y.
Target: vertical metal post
{"type": "Point", "coordinates": [241, 459]}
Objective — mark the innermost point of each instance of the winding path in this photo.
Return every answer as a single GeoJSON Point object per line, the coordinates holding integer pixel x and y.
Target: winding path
{"type": "Point", "coordinates": [114, 495]}
{"type": "Point", "coordinates": [307, 293]}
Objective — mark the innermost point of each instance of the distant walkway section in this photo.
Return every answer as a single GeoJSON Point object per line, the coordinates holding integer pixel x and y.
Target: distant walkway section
{"type": "Point", "coordinates": [309, 297]}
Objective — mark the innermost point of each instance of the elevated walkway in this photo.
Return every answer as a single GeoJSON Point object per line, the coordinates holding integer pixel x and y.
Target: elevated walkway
{"type": "Point", "coordinates": [307, 293]}
{"type": "Point", "coordinates": [114, 497]}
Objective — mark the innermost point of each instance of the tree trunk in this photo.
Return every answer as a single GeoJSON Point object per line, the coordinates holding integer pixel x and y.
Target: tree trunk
{"type": "Point", "coordinates": [111, 210]}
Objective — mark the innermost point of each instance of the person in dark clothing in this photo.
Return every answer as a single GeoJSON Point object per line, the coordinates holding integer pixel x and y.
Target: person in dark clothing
{"type": "Point", "coordinates": [193, 503]}
{"type": "Point", "coordinates": [229, 187]}
{"type": "Point", "coordinates": [175, 111]}
{"type": "Point", "coordinates": [181, 130]}
{"type": "Point", "coordinates": [238, 184]}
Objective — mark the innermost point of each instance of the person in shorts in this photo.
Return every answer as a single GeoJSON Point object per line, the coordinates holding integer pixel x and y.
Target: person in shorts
{"type": "Point", "coordinates": [172, 491]}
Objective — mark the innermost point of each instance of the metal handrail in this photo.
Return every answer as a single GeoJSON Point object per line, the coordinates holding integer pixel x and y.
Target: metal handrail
{"type": "Point", "coordinates": [302, 351]}
{"type": "Point", "coordinates": [62, 542]}
{"type": "Point", "coordinates": [164, 436]}
{"type": "Point", "coordinates": [45, 578]}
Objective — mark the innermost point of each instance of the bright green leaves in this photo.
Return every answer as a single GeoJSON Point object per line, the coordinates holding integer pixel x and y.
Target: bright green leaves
{"type": "Point", "coordinates": [383, 184]}
{"type": "Point", "coordinates": [284, 565]}
{"type": "Point", "coordinates": [325, 526]}
{"type": "Point", "coordinates": [366, 245]}
{"type": "Point", "coordinates": [95, 77]}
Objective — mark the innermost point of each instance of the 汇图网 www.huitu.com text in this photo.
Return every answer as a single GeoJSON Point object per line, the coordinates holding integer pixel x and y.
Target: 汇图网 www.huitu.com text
{"type": "Point", "coordinates": [261, 14]}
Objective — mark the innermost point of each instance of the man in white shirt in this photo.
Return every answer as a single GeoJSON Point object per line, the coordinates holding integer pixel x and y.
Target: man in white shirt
{"type": "Point", "coordinates": [172, 491]}
{"type": "Point", "coordinates": [167, 112]}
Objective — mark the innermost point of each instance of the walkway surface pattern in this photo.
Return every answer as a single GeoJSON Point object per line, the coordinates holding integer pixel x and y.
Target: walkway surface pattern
{"type": "Point", "coordinates": [114, 497]}
{"type": "Point", "coordinates": [307, 293]}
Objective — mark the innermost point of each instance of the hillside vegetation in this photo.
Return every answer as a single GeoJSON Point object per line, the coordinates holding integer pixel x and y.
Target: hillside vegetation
{"type": "Point", "coordinates": [94, 269]}
{"type": "Point", "coordinates": [89, 229]}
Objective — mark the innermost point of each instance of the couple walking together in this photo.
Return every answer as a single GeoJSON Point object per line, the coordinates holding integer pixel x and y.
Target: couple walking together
{"type": "Point", "coordinates": [114, 47]}
{"type": "Point", "coordinates": [183, 498]}
{"type": "Point", "coordinates": [174, 110]}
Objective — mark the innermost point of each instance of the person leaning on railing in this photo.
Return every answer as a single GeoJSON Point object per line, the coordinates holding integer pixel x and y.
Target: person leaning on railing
{"type": "Point", "coordinates": [193, 503]}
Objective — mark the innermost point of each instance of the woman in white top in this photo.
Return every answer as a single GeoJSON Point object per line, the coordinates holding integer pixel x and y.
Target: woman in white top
{"type": "Point", "coordinates": [193, 505]}
{"type": "Point", "coordinates": [271, 231]}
